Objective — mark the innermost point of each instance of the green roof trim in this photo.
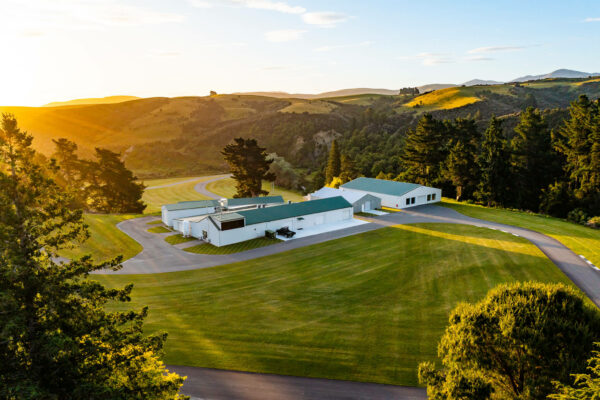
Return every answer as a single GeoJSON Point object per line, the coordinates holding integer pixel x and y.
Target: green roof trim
{"type": "Point", "coordinates": [254, 200]}
{"type": "Point", "coordinates": [275, 213]}
{"type": "Point", "coordinates": [391, 188]}
{"type": "Point", "coordinates": [186, 205]}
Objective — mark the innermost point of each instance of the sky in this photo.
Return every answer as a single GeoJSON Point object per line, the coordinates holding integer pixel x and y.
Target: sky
{"type": "Point", "coordinates": [55, 50]}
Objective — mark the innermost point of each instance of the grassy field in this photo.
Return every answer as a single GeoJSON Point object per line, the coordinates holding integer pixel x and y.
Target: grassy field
{"type": "Point", "coordinates": [159, 229]}
{"type": "Point", "coordinates": [309, 106]}
{"type": "Point", "coordinates": [368, 307]}
{"type": "Point", "coordinates": [176, 239]}
{"type": "Point", "coordinates": [106, 240]}
{"type": "Point", "coordinates": [226, 188]}
{"type": "Point", "coordinates": [168, 181]}
{"type": "Point", "coordinates": [444, 99]}
{"type": "Point", "coordinates": [155, 198]}
{"type": "Point", "coordinates": [578, 238]}
{"type": "Point", "coordinates": [207, 248]}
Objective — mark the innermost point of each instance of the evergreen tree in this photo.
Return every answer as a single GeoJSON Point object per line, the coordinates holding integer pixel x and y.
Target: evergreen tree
{"type": "Point", "coordinates": [56, 339]}
{"type": "Point", "coordinates": [587, 385]}
{"type": "Point", "coordinates": [249, 165]}
{"type": "Point", "coordinates": [494, 166]}
{"type": "Point", "coordinates": [460, 167]}
{"type": "Point", "coordinates": [579, 142]}
{"type": "Point", "coordinates": [423, 152]}
{"type": "Point", "coordinates": [348, 171]}
{"type": "Point", "coordinates": [113, 188]}
{"type": "Point", "coordinates": [533, 160]}
{"type": "Point", "coordinates": [334, 163]}
{"type": "Point", "coordinates": [515, 343]}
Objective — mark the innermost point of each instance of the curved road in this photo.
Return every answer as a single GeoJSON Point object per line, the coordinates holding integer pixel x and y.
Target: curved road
{"type": "Point", "coordinates": [201, 187]}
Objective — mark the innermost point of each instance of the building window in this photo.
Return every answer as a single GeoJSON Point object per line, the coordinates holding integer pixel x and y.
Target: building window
{"type": "Point", "coordinates": [227, 225]}
{"type": "Point", "coordinates": [428, 197]}
{"type": "Point", "coordinates": [433, 196]}
{"type": "Point", "coordinates": [412, 200]}
{"type": "Point", "coordinates": [407, 201]}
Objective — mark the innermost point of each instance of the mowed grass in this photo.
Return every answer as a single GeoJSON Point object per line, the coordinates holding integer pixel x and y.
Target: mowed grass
{"type": "Point", "coordinates": [159, 229]}
{"type": "Point", "coordinates": [580, 239]}
{"type": "Point", "coordinates": [155, 198]}
{"type": "Point", "coordinates": [226, 188]}
{"type": "Point", "coordinates": [368, 307]}
{"type": "Point", "coordinates": [207, 248]}
{"type": "Point", "coordinates": [176, 239]}
{"type": "Point", "coordinates": [106, 240]}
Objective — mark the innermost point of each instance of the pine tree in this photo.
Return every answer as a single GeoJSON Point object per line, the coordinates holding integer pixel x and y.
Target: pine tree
{"type": "Point", "coordinates": [249, 165]}
{"type": "Point", "coordinates": [334, 163]}
{"type": "Point", "coordinates": [494, 166]}
{"type": "Point", "coordinates": [579, 142]}
{"type": "Point", "coordinates": [348, 171]}
{"type": "Point", "coordinates": [423, 152]}
{"type": "Point", "coordinates": [56, 339]}
{"type": "Point", "coordinates": [533, 160]}
{"type": "Point", "coordinates": [460, 167]}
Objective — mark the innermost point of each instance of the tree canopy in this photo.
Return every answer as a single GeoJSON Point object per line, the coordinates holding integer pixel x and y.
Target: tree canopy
{"type": "Point", "coordinates": [249, 165]}
{"type": "Point", "coordinates": [514, 344]}
{"type": "Point", "coordinates": [57, 341]}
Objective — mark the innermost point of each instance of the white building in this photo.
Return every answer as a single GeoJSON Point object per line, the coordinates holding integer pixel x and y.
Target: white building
{"type": "Point", "coordinates": [360, 201]}
{"type": "Point", "coordinates": [394, 194]}
{"type": "Point", "coordinates": [173, 213]}
{"type": "Point", "coordinates": [233, 227]}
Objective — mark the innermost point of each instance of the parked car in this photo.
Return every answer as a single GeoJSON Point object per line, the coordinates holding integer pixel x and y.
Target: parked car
{"type": "Point", "coordinates": [286, 232]}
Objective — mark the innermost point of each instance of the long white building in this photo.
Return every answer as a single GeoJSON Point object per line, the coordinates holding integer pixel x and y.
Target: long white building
{"type": "Point", "coordinates": [394, 194]}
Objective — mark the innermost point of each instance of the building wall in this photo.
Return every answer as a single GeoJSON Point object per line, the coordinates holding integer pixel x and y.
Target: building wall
{"type": "Point", "coordinates": [169, 216]}
{"type": "Point", "coordinates": [420, 195]}
{"type": "Point", "coordinates": [224, 238]}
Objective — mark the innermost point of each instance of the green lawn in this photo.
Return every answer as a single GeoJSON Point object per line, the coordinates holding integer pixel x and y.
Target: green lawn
{"type": "Point", "coordinates": [159, 229]}
{"type": "Point", "coordinates": [226, 188]}
{"type": "Point", "coordinates": [580, 239]}
{"type": "Point", "coordinates": [176, 239]}
{"type": "Point", "coordinates": [207, 248]}
{"type": "Point", "coordinates": [167, 181]}
{"type": "Point", "coordinates": [368, 307]}
{"type": "Point", "coordinates": [106, 240]}
{"type": "Point", "coordinates": [155, 198]}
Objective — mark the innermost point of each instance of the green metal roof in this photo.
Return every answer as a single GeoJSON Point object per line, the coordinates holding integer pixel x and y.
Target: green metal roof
{"type": "Point", "coordinates": [254, 200]}
{"type": "Point", "coordinates": [392, 188]}
{"type": "Point", "coordinates": [293, 210]}
{"type": "Point", "coordinates": [186, 205]}
{"type": "Point", "coordinates": [227, 216]}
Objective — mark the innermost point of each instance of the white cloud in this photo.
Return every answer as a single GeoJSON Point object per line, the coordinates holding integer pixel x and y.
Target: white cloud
{"type": "Point", "coordinates": [278, 6]}
{"type": "Point", "coordinates": [344, 46]}
{"type": "Point", "coordinates": [479, 58]}
{"type": "Point", "coordinates": [430, 59]}
{"type": "Point", "coordinates": [325, 19]}
{"type": "Point", "coordinates": [591, 20]}
{"type": "Point", "coordinates": [495, 49]}
{"type": "Point", "coordinates": [284, 35]}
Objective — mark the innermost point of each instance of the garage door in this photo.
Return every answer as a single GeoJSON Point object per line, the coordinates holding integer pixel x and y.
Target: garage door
{"type": "Point", "coordinates": [366, 206]}
{"type": "Point", "coordinates": [421, 199]}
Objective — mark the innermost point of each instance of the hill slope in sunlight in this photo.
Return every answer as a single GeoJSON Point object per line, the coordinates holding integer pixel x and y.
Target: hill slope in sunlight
{"type": "Point", "coordinates": [98, 100]}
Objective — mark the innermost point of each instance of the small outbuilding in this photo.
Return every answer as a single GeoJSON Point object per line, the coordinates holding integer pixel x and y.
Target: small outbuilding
{"type": "Point", "coordinates": [394, 194]}
{"type": "Point", "coordinates": [361, 202]}
{"type": "Point", "coordinates": [226, 228]}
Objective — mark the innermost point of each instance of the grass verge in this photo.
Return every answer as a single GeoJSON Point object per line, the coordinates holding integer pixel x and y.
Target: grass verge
{"type": "Point", "coordinates": [176, 239]}
{"type": "Point", "coordinates": [368, 307]}
{"type": "Point", "coordinates": [106, 240]}
{"type": "Point", "coordinates": [207, 248]}
{"type": "Point", "coordinates": [159, 229]}
{"type": "Point", "coordinates": [580, 239]}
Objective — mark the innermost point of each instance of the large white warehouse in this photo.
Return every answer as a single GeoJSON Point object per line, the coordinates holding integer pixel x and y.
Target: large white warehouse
{"type": "Point", "coordinates": [394, 194]}
{"type": "Point", "coordinates": [233, 227]}
{"type": "Point", "coordinates": [172, 213]}
{"type": "Point", "coordinates": [360, 201]}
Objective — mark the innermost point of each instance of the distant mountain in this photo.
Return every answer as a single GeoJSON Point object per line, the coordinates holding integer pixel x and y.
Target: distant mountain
{"type": "Point", "coordinates": [559, 73]}
{"type": "Point", "coordinates": [474, 82]}
{"type": "Point", "coordinates": [101, 100]}
{"type": "Point", "coordinates": [435, 86]}
{"type": "Point", "coordinates": [335, 93]}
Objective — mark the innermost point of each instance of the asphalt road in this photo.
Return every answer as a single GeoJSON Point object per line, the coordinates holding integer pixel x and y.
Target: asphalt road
{"type": "Point", "coordinates": [214, 384]}
{"type": "Point", "coordinates": [201, 187]}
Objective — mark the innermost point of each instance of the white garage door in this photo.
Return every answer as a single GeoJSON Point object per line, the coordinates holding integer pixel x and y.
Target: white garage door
{"type": "Point", "coordinates": [366, 206]}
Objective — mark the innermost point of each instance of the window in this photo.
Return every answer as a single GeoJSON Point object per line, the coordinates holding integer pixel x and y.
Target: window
{"type": "Point", "coordinates": [428, 197]}
{"type": "Point", "coordinates": [433, 196]}
{"type": "Point", "coordinates": [412, 200]}
{"type": "Point", "coordinates": [227, 225]}
{"type": "Point", "coordinates": [407, 201]}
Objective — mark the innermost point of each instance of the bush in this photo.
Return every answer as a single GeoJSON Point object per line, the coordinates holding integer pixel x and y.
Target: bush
{"type": "Point", "coordinates": [594, 222]}
{"type": "Point", "coordinates": [578, 216]}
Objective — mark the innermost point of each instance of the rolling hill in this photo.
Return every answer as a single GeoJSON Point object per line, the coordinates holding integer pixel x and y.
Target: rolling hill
{"type": "Point", "coordinates": [98, 100]}
{"type": "Point", "coordinates": [559, 73]}
{"type": "Point", "coordinates": [183, 136]}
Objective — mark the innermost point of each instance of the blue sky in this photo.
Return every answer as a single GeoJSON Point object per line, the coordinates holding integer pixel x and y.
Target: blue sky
{"type": "Point", "coordinates": [63, 49]}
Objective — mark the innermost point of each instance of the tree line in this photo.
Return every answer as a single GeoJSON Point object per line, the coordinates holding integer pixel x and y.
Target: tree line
{"type": "Point", "coordinates": [552, 171]}
{"type": "Point", "coordinates": [103, 185]}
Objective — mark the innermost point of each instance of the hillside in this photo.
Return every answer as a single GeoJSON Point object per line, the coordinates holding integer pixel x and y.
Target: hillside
{"type": "Point", "coordinates": [100, 100]}
{"type": "Point", "coordinates": [183, 136]}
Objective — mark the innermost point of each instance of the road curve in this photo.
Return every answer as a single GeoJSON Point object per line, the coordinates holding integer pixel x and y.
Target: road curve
{"type": "Point", "coordinates": [214, 384]}
{"type": "Point", "coordinates": [201, 187]}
